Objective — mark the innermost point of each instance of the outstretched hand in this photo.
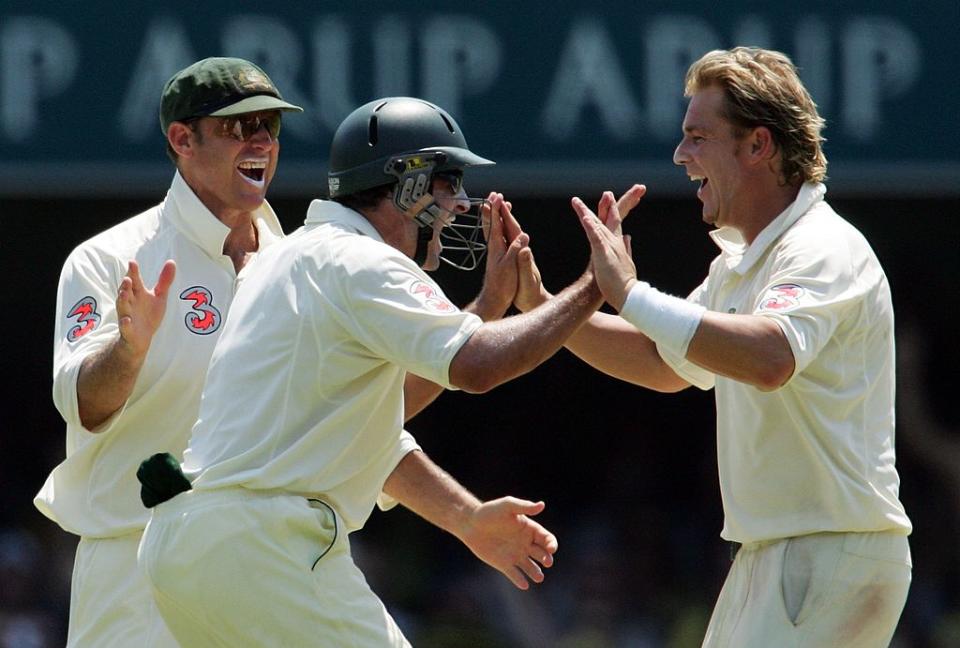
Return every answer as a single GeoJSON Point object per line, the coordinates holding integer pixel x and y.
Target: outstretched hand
{"type": "Point", "coordinates": [630, 199]}
{"type": "Point", "coordinates": [610, 253]}
{"type": "Point", "coordinates": [530, 289]}
{"type": "Point", "coordinates": [501, 534]}
{"type": "Point", "coordinates": [505, 239]}
{"type": "Point", "coordinates": [139, 309]}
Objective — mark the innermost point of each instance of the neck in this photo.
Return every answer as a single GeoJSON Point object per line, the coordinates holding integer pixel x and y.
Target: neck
{"type": "Point", "coordinates": [765, 205]}
{"type": "Point", "coordinates": [241, 242]}
{"type": "Point", "coordinates": [391, 225]}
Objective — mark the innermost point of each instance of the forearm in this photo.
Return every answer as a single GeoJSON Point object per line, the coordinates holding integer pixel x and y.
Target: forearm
{"type": "Point", "coordinates": [105, 382]}
{"type": "Point", "coordinates": [615, 347]}
{"type": "Point", "coordinates": [500, 351]}
{"type": "Point", "coordinates": [748, 348]}
{"type": "Point", "coordinates": [427, 490]}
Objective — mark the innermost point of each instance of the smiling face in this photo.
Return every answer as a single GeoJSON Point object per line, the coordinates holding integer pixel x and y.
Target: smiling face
{"type": "Point", "coordinates": [714, 156]}
{"type": "Point", "coordinates": [230, 176]}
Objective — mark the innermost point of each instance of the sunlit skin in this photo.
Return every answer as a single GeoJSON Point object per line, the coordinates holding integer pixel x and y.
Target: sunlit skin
{"type": "Point", "coordinates": [714, 156]}
{"type": "Point", "coordinates": [740, 180]}
{"type": "Point", "coordinates": [210, 164]}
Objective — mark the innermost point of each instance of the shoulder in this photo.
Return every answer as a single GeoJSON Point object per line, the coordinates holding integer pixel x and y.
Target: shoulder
{"type": "Point", "coordinates": [822, 233]}
{"type": "Point", "coordinates": [124, 238]}
{"type": "Point", "coordinates": [353, 252]}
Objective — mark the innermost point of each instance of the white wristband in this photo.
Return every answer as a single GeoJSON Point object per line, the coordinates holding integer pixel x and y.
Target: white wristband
{"type": "Point", "coordinates": [668, 321]}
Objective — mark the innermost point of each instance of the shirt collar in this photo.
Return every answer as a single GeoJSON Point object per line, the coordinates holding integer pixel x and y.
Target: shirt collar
{"type": "Point", "coordinates": [189, 215]}
{"type": "Point", "coordinates": [739, 256]}
{"type": "Point", "coordinates": [328, 211]}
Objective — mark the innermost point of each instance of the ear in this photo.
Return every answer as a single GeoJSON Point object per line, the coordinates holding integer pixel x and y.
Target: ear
{"type": "Point", "coordinates": [763, 148]}
{"type": "Point", "coordinates": [181, 139]}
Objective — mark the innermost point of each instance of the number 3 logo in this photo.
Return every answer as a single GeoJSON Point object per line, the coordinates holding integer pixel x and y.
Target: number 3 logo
{"type": "Point", "coordinates": [204, 319]}
{"type": "Point", "coordinates": [87, 316]}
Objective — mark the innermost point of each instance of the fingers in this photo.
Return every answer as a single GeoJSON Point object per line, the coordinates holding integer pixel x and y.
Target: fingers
{"type": "Point", "coordinates": [520, 243]}
{"type": "Point", "coordinates": [133, 273]}
{"type": "Point", "coordinates": [588, 220]}
{"type": "Point", "coordinates": [532, 570]}
{"type": "Point", "coordinates": [516, 576]}
{"type": "Point", "coordinates": [608, 212]}
{"type": "Point", "coordinates": [511, 226]}
{"type": "Point", "coordinates": [167, 273]}
{"type": "Point", "coordinates": [495, 237]}
{"type": "Point", "coordinates": [630, 199]}
{"type": "Point", "coordinates": [486, 215]}
{"type": "Point", "coordinates": [522, 506]}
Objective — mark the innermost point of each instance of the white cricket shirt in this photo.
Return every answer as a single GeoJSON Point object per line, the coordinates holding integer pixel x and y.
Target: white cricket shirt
{"type": "Point", "coordinates": [818, 453]}
{"type": "Point", "coordinates": [305, 389]}
{"type": "Point", "coordinates": [94, 492]}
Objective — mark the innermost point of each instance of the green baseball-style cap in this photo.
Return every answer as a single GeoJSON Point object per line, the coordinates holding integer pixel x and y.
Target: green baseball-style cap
{"type": "Point", "coordinates": [219, 87]}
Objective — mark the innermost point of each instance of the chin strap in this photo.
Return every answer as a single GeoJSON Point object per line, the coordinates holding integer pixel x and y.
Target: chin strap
{"type": "Point", "coordinates": [422, 211]}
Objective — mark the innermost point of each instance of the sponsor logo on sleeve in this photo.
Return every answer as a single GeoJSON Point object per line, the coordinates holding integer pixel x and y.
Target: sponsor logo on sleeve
{"type": "Point", "coordinates": [203, 318]}
{"type": "Point", "coordinates": [432, 299]}
{"type": "Point", "coordinates": [85, 312]}
{"type": "Point", "coordinates": [782, 297]}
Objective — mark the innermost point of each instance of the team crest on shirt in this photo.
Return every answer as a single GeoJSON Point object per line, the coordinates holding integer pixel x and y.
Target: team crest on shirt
{"type": "Point", "coordinates": [431, 298]}
{"type": "Point", "coordinates": [87, 317]}
{"type": "Point", "coordinates": [782, 297]}
{"type": "Point", "coordinates": [203, 318]}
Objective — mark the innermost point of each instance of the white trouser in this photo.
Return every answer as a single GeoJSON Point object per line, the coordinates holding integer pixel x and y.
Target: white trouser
{"type": "Point", "coordinates": [236, 568]}
{"type": "Point", "coordinates": [111, 605]}
{"type": "Point", "coordinates": [823, 590]}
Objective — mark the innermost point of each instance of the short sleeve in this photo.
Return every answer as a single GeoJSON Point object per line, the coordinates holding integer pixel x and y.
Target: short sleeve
{"type": "Point", "coordinates": [401, 315]}
{"type": "Point", "coordinates": [811, 290]}
{"type": "Point", "coordinates": [405, 445]}
{"type": "Point", "coordinates": [86, 321]}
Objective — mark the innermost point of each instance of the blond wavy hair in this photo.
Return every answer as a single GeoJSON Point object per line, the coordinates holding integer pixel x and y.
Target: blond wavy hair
{"type": "Point", "coordinates": [762, 88]}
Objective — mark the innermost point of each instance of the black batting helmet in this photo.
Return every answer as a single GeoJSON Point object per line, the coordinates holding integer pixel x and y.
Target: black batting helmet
{"type": "Point", "coordinates": [407, 141]}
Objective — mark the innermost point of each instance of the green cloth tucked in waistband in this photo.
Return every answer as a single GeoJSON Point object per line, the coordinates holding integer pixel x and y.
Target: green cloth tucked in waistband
{"type": "Point", "coordinates": [161, 479]}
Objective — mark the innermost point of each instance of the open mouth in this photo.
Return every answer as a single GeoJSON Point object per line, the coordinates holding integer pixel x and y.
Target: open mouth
{"type": "Point", "coordinates": [703, 180]}
{"type": "Point", "coordinates": [253, 170]}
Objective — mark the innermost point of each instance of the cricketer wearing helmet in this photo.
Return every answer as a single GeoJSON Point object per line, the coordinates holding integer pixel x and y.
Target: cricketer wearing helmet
{"type": "Point", "coordinates": [381, 145]}
{"type": "Point", "coordinates": [300, 427]}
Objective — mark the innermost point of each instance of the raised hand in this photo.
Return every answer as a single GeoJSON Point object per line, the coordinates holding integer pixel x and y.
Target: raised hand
{"type": "Point", "coordinates": [630, 199]}
{"type": "Point", "coordinates": [609, 250]}
{"type": "Point", "coordinates": [140, 309]}
{"type": "Point", "coordinates": [505, 239]}
{"type": "Point", "coordinates": [501, 534]}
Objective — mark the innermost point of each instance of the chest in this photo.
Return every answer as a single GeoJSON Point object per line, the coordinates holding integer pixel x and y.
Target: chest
{"type": "Point", "coordinates": [735, 293]}
{"type": "Point", "coordinates": [197, 306]}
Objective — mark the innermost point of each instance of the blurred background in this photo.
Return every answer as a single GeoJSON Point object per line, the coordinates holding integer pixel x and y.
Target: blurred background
{"type": "Point", "coordinates": [569, 99]}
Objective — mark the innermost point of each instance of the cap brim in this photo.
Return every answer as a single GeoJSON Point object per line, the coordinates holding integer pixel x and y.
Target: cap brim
{"type": "Point", "coordinates": [255, 104]}
{"type": "Point", "coordinates": [460, 157]}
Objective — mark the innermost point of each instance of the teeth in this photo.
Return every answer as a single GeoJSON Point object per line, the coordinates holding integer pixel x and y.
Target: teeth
{"type": "Point", "coordinates": [696, 178]}
{"type": "Point", "coordinates": [252, 164]}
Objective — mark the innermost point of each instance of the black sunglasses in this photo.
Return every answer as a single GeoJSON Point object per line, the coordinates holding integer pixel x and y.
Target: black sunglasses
{"type": "Point", "coordinates": [243, 127]}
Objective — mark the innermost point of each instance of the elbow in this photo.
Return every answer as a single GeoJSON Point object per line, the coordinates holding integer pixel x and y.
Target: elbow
{"type": "Point", "coordinates": [475, 382]}
{"type": "Point", "coordinates": [775, 374]}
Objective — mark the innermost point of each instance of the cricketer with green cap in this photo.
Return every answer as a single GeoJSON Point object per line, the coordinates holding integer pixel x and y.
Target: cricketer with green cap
{"type": "Point", "coordinates": [219, 87]}
{"type": "Point", "coordinates": [130, 361]}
